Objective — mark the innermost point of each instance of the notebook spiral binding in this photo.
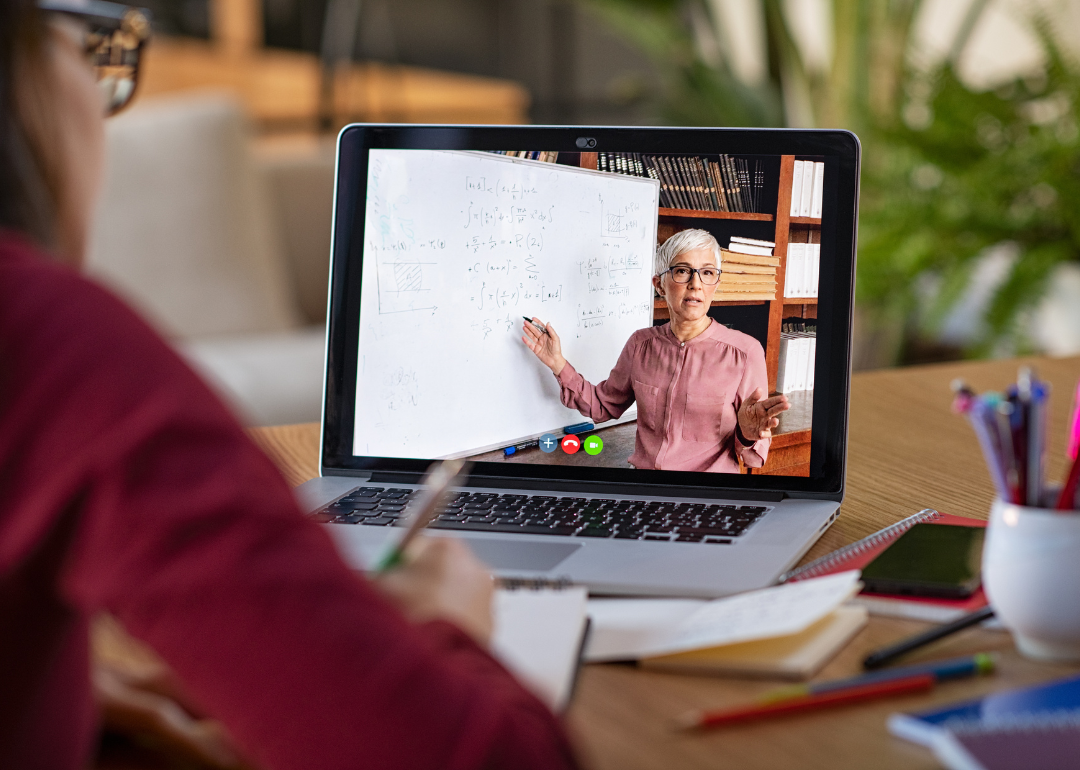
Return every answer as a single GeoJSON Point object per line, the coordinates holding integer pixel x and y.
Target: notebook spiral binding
{"type": "Point", "coordinates": [534, 584]}
{"type": "Point", "coordinates": [1039, 721]}
{"type": "Point", "coordinates": [823, 565]}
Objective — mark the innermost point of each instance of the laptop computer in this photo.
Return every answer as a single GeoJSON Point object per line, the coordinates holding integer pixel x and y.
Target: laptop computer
{"type": "Point", "coordinates": [624, 473]}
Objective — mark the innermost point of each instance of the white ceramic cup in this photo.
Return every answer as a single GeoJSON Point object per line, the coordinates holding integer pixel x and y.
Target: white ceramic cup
{"type": "Point", "coordinates": [1031, 572]}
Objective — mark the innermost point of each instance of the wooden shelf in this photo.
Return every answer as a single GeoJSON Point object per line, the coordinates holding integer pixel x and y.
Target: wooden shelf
{"type": "Point", "coordinates": [800, 300]}
{"type": "Point", "coordinates": [803, 220]}
{"type": "Point", "coordinates": [694, 213]}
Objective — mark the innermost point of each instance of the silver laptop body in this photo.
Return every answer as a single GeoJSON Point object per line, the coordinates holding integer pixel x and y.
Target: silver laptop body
{"type": "Point", "coordinates": [746, 529]}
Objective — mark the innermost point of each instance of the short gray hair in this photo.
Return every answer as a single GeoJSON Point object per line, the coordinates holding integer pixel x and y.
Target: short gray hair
{"type": "Point", "coordinates": [682, 242]}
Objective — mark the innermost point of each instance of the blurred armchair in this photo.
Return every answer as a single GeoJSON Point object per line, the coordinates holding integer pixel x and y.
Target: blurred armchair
{"type": "Point", "coordinates": [224, 248]}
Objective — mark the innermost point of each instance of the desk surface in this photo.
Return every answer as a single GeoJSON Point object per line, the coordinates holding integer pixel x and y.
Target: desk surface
{"type": "Point", "coordinates": [906, 452]}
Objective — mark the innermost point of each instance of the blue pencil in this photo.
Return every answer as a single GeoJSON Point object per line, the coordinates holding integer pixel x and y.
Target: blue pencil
{"type": "Point", "coordinates": [952, 668]}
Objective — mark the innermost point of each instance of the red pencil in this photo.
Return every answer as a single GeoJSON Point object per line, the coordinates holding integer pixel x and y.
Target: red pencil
{"type": "Point", "coordinates": [703, 719]}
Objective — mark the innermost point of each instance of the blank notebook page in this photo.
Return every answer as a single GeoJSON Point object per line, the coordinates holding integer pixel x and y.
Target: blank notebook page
{"type": "Point", "coordinates": [539, 635]}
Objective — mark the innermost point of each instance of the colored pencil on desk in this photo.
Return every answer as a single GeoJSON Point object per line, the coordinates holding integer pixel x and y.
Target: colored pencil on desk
{"type": "Point", "coordinates": [704, 719]}
{"type": "Point", "coordinates": [942, 670]}
{"type": "Point", "coordinates": [801, 697]}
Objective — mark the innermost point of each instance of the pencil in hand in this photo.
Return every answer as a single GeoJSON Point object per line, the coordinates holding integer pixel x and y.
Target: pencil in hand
{"type": "Point", "coordinates": [437, 484]}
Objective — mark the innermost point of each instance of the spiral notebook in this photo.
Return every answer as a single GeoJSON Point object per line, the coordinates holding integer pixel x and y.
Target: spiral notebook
{"type": "Point", "coordinates": [1010, 712]}
{"type": "Point", "coordinates": [860, 553]}
{"type": "Point", "coordinates": [1047, 742]}
{"type": "Point", "coordinates": [540, 633]}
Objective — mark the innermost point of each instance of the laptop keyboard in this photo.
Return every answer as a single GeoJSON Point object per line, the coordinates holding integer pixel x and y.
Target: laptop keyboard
{"type": "Point", "coordinates": [553, 515]}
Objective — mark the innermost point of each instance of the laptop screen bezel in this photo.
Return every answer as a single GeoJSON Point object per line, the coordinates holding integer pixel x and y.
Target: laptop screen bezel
{"type": "Point", "coordinates": [841, 153]}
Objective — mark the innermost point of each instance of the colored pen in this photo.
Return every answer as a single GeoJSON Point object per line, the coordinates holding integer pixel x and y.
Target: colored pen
{"type": "Point", "coordinates": [893, 651]}
{"type": "Point", "coordinates": [1036, 442]}
{"type": "Point", "coordinates": [984, 423]}
{"type": "Point", "coordinates": [941, 670]}
{"type": "Point", "coordinates": [1067, 499]}
{"type": "Point", "coordinates": [438, 481]}
{"type": "Point", "coordinates": [703, 719]}
{"type": "Point", "coordinates": [963, 395]}
{"type": "Point", "coordinates": [518, 447]}
{"type": "Point", "coordinates": [536, 326]}
{"type": "Point", "coordinates": [1074, 426]}
{"type": "Point", "coordinates": [1003, 413]}
{"type": "Point", "coordinates": [805, 697]}
{"type": "Point", "coordinates": [581, 427]}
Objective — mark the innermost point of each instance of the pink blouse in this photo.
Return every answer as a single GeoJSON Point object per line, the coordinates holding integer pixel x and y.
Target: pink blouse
{"type": "Point", "coordinates": [688, 395]}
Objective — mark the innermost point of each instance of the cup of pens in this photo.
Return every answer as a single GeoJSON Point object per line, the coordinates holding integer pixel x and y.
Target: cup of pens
{"type": "Point", "coordinates": [1031, 557]}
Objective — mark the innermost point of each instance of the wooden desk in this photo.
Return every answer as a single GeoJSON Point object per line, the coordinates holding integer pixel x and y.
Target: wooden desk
{"type": "Point", "coordinates": [906, 452]}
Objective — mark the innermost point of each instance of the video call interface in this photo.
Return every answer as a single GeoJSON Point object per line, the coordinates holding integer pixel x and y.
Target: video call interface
{"type": "Point", "coordinates": [527, 307]}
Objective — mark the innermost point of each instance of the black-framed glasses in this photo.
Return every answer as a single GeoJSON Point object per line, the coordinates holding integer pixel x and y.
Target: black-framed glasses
{"type": "Point", "coordinates": [115, 36]}
{"type": "Point", "coordinates": [709, 276]}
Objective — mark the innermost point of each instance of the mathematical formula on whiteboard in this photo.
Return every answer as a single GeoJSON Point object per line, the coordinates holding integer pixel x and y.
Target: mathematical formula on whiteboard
{"type": "Point", "coordinates": [458, 246]}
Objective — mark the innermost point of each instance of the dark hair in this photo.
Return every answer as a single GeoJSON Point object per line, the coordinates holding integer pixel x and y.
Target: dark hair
{"type": "Point", "coordinates": [29, 188]}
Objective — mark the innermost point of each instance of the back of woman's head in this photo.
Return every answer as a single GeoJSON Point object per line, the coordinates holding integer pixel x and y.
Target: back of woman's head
{"type": "Point", "coordinates": [28, 182]}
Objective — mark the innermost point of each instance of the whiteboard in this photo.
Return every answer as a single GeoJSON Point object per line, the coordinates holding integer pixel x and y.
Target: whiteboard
{"type": "Point", "coordinates": [458, 246]}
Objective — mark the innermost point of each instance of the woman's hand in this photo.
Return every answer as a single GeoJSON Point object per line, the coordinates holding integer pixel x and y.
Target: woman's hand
{"type": "Point", "coordinates": [441, 579]}
{"type": "Point", "coordinates": [759, 415]}
{"type": "Point", "coordinates": [547, 347]}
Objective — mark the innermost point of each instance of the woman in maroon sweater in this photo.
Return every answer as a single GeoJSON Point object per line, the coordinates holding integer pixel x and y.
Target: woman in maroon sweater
{"type": "Point", "coordinates": [126, 486]}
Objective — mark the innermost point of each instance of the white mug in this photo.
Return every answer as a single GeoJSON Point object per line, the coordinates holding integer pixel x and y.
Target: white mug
{"type": "Point", "coordinates": [1031, 572]}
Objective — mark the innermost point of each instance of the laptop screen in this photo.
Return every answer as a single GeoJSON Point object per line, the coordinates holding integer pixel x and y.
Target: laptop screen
{"type": "Point", "coordinates": [619, 315]}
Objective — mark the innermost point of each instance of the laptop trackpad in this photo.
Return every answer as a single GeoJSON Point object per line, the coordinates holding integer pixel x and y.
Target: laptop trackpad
{"type": "Point", "coordinates": [514, 554]}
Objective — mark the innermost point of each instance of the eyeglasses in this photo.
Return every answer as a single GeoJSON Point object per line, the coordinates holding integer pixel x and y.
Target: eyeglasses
{"type": "Point", "coordinates": [708, 275]}
{"type": "Point", "coordinates": [114, 40]}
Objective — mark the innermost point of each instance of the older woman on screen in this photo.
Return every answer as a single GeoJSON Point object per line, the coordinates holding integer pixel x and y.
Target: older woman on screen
{"type": "Point", "coordinates": [701, 388]}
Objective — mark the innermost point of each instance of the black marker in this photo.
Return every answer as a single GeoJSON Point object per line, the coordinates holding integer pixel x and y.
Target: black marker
{"type": "Point", "coordinates": [536, 325]}
{"type": "Point", "coordinates": [518, 447]}
{"type": "Point", "coordinates": [892, 652]}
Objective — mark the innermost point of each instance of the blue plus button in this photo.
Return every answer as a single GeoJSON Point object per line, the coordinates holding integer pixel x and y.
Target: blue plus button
{"type": "Point", "coordinates": [549, 442]}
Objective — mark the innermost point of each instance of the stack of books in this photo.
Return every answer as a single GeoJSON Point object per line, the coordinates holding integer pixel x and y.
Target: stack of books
{"type": "Point", "coordinates": [803, 264]}
{"type": "Point", "coordinates": [747, 271]}
{"type": "Point", "coordinates": [692, 182]}
{"type": "Point", "coordinates": [540, 155]}
{"type": "Point", "coordinates": [807, 187]}
{"type": "Point", "coordinates": [798, 351]}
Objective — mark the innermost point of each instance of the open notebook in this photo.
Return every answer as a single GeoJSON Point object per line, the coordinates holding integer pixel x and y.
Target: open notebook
{"type": "Point", "coordinates": [540, 632]}
{"type": "Point", "coordinates": [787, 631]}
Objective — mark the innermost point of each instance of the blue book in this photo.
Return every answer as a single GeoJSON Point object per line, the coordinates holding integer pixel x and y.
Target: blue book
{"type": "Point", "coordinates": [999, 707]}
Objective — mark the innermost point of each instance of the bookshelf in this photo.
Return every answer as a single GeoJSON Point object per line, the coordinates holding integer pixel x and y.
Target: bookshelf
{"type": "Point", "coordinates": [692, 213]}
{"type": "Point", "coordinates": [790, 450]}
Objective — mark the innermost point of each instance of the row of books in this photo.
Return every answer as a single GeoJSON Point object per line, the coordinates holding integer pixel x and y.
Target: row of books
{"type": "Point", "coordinates": [801, 273]}
{"type": "Point", "coordinates": [807, 188]}
{"type": "Point", "coordinates": [747, 271]}
{"type": "Point", "coordinates": [541, 155]}
{"type": "Point", "coordinates": [692, 182]}
{"type": "Point", "coordinates": [798, 352]}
